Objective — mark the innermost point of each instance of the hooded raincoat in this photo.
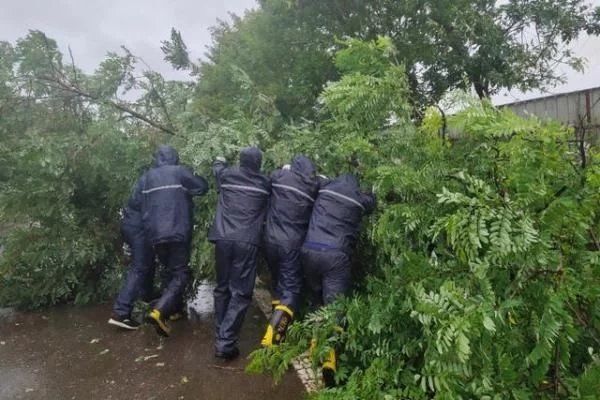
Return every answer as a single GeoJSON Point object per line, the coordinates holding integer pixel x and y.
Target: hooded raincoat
{"type": "Point", "coordinates": [242, 205]}
{"type": "Point", "coordinates": [165, 192]}
{"type": "Point", "coordinates": [293, 194]}
{"type": "Point", "coordinates": [332, 233]}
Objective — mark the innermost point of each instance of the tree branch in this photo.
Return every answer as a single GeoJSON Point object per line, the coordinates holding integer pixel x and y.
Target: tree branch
{"type": "Point", "coordinates": [64, 83]}
{"type": "Point", "coordinates": [68, 86]}
{"type": "Point", "coordinates": [556, 195]}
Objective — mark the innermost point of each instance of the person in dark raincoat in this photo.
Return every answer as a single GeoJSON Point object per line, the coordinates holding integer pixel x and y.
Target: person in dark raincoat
{"type": "Point", "coordinates": [165, 193]}
{"type": "Point", "coordinates": [332, 234]}
{"type": "Point", "coordinates": [139, 280]}
{"type": "Point", "coordinates": [243, 197]}
{"type": "Point", "coordinates": [294, 190]}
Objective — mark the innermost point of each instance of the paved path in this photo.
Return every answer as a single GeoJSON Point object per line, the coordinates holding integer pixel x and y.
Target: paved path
{"type": "Point", "coordinates": [71, 353]}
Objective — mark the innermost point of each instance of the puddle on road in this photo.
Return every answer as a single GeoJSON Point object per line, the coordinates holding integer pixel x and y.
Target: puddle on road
{"type": "Point", "coordinates": [201, 306]}
{"type": "Point", "coordinates": [70, 352]}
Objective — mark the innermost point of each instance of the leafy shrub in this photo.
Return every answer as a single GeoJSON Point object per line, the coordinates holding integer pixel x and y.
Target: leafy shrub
{"type": "Point", "coordinates": [483, 257]}
{"type": "Point", "coordinates": [68, 158]}
{"type": "Point", "coordinates": [64, 193]}
{"type": "Point", "coordinates": [487, 267]}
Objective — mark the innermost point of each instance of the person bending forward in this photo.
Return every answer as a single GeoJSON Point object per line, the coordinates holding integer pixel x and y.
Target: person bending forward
{"type": "Point", "coordinates": [166, 192]}
{"type": "Point", "coordinates": [294, 189]}
{"type": "Point", "coordinates": [327, 250]}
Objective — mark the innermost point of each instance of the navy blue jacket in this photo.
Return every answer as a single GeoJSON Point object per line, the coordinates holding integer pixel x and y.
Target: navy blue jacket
{"type": "Point", "coordinates": [293, 194]}
{"type": "Point", "coordinates": [337, 213]}
{"type": "Point", "coordinates": [165, 193]}
{"type": "Point", "coordinates": [243, 199]}
{"type": "Point", "coordinates": [131, 223]}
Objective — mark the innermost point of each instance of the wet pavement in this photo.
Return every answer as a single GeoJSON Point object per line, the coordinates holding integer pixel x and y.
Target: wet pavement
{"type": "Point", "coordinates": [72, 353]}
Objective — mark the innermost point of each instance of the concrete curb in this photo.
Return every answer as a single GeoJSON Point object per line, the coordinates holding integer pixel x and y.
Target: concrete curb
{"type": "Point", "coordinates": [302, 365]}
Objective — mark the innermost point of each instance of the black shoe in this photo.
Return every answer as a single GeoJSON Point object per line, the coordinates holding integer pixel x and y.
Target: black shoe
{"type": "Point", "coordinates": [123, 322]}
{"type": "Point", "coordinates": [229, 355]}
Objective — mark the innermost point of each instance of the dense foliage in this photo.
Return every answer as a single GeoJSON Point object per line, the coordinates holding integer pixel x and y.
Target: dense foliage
{"type": "Point", "coordinates": [481, 265]}
{"type": "Point", "coordinates": [484, 257]}
{"type": "Point", "coordinates": [286, 47]}
{"type": "Point", "coordinates": [66, 167]}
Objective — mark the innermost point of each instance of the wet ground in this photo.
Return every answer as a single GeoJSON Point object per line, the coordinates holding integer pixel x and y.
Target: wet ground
{"type": "Point", "coordinates": [72, 353]}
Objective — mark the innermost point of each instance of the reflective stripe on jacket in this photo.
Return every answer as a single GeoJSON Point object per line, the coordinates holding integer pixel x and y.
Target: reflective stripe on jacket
{"type": "Point", "coordinates": [166, 196]}
{"type": "Point", "coordinates": [293, 194]}
{"type": "Point", "coordinates": [243, 199]}
{"type": "Point", "coordinates": [337, 214]}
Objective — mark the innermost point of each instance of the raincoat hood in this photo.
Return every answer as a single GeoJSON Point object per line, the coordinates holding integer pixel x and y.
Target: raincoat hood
{"type": "Point", "coordinates": [166, 155]}
{"type": "Point", "coordinates": [251, 158]}
{"type": "Point", "coordinates": [303, 166]}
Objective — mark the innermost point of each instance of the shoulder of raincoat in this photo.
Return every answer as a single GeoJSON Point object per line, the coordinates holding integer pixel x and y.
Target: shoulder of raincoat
{"type": "Point", "coordinates": [337, 214]}
{"type": "Point", "coordinates": [166, 191]}
{"type": "Point", "coordinates": [294, 191]}
{"type": "Point", "coordinates": [243, 198]}
{"type": "Point", "coordinates": [195, 184]}
{"type": "Point", "coordinates": [369, 201]}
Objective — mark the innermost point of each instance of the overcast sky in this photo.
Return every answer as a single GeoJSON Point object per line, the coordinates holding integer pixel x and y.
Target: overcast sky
{"type": "Point", "coordinates": [587, 47]}
{"type": "Point", "coordinates": [93, 27]}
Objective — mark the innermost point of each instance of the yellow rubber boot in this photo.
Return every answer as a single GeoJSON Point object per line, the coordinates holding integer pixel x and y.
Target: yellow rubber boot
{"type": "Point", "coordinates": [156, 319]}
{"type": "Point", "coordinates": [329, 368]}
{"type": "Point", "coordinates": [280, 320]}
{"type": "Point", "coordinates": [274, 303]}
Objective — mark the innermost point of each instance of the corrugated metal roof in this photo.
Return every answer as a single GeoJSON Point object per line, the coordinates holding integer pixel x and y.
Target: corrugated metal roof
{"type": "Point", "coordinates": [572, 108]}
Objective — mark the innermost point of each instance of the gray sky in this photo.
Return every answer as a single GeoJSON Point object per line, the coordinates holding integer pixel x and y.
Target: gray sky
{"type": "Point", "coordinates": [93, 27]}
{"type": "Point", "coordinates": [587, 47]}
